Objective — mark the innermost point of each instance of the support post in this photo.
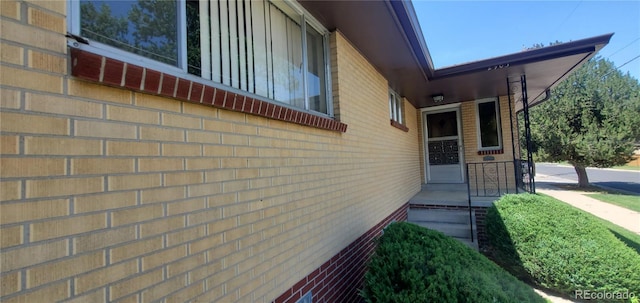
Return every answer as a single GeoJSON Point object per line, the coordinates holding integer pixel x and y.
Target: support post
{"type": "Point", "coordinates": [527, 130]}
{"type": "Point", "coordinates": [513, 143]}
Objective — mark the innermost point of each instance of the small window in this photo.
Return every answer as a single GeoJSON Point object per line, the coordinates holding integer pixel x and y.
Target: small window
{"type": "Point", "coordinates": [488, 122]}
{"type": "Point", "coordinates": [396, 107]}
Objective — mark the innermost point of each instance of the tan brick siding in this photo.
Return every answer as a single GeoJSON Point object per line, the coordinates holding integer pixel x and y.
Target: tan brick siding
{"type": "Point", "coordinates": [109, 194]}
{"type": "Point", "coordinates": [468, 112]}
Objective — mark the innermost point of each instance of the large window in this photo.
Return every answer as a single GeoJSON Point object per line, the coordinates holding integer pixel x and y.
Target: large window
{"type": "Point", "coordinates": [489, 135]}
{"type": "Point", "coordinates": [272, 49]}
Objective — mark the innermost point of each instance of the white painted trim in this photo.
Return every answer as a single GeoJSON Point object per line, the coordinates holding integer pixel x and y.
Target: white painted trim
{"type": "Point", "coordinates": [498, 122]}
{"type": "Point", "coordinates": [440, 108]}
{"type": "Point", "coordinates": [181, 31]}
{"type": "Point", "coordinates": [425, 138]}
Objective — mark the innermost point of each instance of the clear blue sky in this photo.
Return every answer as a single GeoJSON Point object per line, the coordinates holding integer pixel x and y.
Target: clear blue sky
{"type": "Point", "coordinates": [463, 31]}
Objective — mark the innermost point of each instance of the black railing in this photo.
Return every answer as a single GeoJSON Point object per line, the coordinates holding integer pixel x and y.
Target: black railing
{"type": "Point", "coordinates": [492, 179]}
{"type": "Point", "coordinates": [524, 176]}
{"type": "Point", "coordinates": [470, 210]}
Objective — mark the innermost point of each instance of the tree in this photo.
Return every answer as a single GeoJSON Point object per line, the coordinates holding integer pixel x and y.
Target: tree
{"type": "Point", "coordinates": [591, 120]}
{"type": "Point", "coordinates": [101, 25]}
{"type": "Point", "coordinates": [145, 27]}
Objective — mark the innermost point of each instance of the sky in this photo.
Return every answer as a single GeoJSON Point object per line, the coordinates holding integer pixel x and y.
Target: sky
{"type": "Point", "coordinates": [463, 31]}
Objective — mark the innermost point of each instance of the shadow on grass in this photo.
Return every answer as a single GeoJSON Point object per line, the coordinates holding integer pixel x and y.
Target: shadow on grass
{"type": "Point", "coordinates": [502, 250]}
{"type": "Point", "coordinates": [500, 247]}
{"type": "Point", "coordinates": [627, 240]}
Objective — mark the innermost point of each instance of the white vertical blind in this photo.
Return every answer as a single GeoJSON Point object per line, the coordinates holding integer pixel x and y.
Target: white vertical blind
{"type": "Point", "coordinates": [242, 45]}
{"type": "Point", "coordinates": [259, 30]}
{"type": "Point", "coordinates": [225, 47]}
{"type": "Point", "coordinates": [249, 45]}
{"type": "Point", "coordinates": [234, 53]}
{"type": "Point", "coordinates": [216, 63]}
{"type": "Point", "coordinates": [257, 46]}
{"type": "Point", "coordinates": [205, 40]}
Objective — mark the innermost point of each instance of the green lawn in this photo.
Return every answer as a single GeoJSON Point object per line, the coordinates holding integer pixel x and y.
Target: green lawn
{"type": "Point", "coordinates": [627, 201]}
{"type": "Point", "coordinates": [628, 237]}
{"type": "Point", "coordinates": [628, 167]}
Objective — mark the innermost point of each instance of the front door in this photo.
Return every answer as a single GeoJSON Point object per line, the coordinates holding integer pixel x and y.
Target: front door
{"type": "Point", "coordinates": [444, 146]}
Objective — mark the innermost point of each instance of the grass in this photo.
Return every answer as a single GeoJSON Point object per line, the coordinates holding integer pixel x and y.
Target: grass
{"type": "Point", "coordinates": [415, 264]}
{"type": "Point", "coordinates": [627, 201]}
{"type": "Point", "coordinates": [631, 202]}
{"type": "Point", "coordinates": [628, 167]}
{"type": "Point", "coordinates": [625, 167]}
{"type": "Point", "coordinates": [628, 237]}
{"type": "Point", "coordinates": [559, 247]}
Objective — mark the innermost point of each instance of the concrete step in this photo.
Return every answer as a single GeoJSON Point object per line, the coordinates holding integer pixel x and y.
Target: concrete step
{"type": "Point", "coordinates": [438, 215]}
{"type": "Point", "coordinates": [461, 187]}
{"type": "Point", "coordinates": [462, 231]}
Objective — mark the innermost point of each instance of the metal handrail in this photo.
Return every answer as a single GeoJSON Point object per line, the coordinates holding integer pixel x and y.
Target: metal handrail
{"type": "Point", "coordinates": [492, 179]}
{"type": "Point", "coordinates": [469, 199]}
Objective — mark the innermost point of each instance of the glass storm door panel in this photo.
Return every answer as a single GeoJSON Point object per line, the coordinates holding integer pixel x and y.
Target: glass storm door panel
{"type": "Point", "coordinates": [444, 152]}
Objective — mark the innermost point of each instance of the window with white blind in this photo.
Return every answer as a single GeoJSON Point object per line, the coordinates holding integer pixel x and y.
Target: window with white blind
{"type": "Point", "coordinates": [396, 108]}
{"type": "Point", "coordinates": [273, 49]}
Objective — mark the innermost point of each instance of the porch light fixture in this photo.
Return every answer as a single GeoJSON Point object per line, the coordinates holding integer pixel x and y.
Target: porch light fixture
{"type": "Point", "coordinates": [438, 98]}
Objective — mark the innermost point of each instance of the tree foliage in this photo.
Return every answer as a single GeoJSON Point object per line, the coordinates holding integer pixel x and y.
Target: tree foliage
{"type": "Point", "coordinates": [591, 120]}
{"type": "Point", "coordinates": [101, 25]}
{"type": "Point", "coordinates": [145, 27]}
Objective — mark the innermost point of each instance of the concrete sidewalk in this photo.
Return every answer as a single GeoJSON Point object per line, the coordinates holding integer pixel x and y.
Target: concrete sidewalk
{"type": "Point", "coordinates": [620, 216]}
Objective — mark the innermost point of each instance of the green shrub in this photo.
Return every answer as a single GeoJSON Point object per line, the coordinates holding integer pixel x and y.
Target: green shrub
{"type": "Point", "coordinates": [559, 247]}
{"type": "Point", "coordinates": [414, 264]}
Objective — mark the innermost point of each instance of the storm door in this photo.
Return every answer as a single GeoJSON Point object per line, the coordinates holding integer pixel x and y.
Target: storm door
{"type": "Point", "coordinates": [444, 146]}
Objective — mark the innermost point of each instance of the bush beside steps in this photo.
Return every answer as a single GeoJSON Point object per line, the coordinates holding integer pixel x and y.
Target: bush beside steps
{"type": "Point", "coordinates": [559, 247]}
{"type": "Point", "coordinates": [414, 264]}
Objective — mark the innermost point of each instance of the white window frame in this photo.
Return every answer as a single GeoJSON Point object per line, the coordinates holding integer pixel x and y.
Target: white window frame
{"type": "Point", "coordinates": [396, 107]}
{"type": "Point", "coordinates": [498, 122]}
{"type": "Point", "coordinates": [290, 6]}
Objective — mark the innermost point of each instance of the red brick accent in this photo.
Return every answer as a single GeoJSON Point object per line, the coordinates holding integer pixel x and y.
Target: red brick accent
{"type": "Point", "coordinates": [90, 67]}
{"type": "Point", "coordinates": [112, 72]}
{"type": "Point", "coordinates": [133, 77]}
{"type": "Point", "coordinates": [491, 152]}
{"type": "Point", "coordinates": [151, 81]}
{"type": "Point", "coordinates": [399, 126]}
{"type": "Point", "coordinates": [340, 279]}
{"type": "Point", "coordinates": [207, 97]}
{"type": "Point", "coordinates": [168, 88]}
{"type": "Point", "coordinates": [97, 68]}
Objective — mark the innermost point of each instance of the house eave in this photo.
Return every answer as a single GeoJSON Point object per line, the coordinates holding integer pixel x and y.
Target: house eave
{"type": "Point", "coordinates": [387, 33]}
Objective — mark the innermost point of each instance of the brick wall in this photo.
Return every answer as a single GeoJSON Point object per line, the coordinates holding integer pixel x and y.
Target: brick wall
{"type": "Point", "coordinates": [504, 172]}
{"type": "Point", "coordinates": [470, 139]}
{"type": "Point", "coordinates": [470, 131]}
{"type": "Point", "coordinates": [109, 194]}
{"type": "Point", "coordinates": [341, 278]}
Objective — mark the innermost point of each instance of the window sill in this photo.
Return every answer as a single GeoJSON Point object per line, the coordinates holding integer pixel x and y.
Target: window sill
{"type": "Point", "coordinates": [491, 152]}
{"type": "Point", "coordinates": [108, 71]}
{"type": "Point", "coordinates": [399, 126]}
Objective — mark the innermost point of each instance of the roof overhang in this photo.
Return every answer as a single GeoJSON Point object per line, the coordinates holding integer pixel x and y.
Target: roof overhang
{"type": "Point", "coordinates": [543, 67]}
{"type": "Point", "coordinates": [388, 34]}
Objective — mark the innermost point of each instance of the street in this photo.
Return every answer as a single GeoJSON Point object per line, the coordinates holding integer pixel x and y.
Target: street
{"type": "Point", "coordinates": [614, 178]}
